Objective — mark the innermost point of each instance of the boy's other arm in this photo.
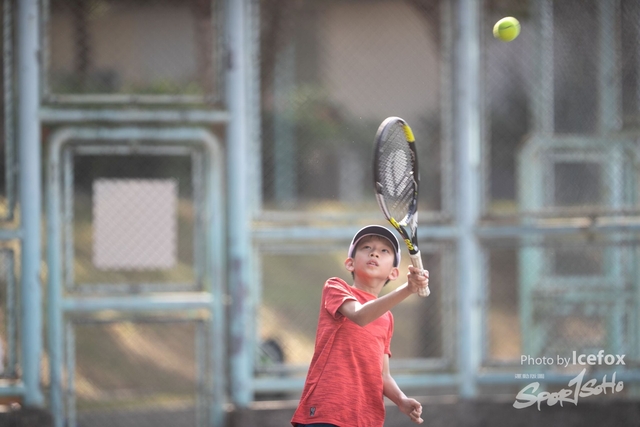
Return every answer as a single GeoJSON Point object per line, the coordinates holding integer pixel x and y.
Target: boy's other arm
{"type": "Point", "coordinates": [408, 406]}
{"type": "Point", "coordinates": [363, 314]}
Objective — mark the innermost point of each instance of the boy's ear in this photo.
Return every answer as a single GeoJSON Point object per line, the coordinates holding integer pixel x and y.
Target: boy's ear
{"type": "Point", "coordinates": [348, 263]}
{"type": "Point", "coordinates": [394, 273]}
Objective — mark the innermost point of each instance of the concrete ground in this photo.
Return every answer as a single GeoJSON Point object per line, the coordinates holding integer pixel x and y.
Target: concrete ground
{"type": "Point", "coordinates": [450, 412]}
{"type": "Point", "coordinates": [438, 412]}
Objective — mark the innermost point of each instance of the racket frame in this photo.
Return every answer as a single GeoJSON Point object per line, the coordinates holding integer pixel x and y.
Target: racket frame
{"type": "Point", "coordinates": [407, 226]}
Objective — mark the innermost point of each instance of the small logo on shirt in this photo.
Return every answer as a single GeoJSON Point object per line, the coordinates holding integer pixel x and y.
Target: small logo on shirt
{"type": "Point", "coordinates": [312, 411]}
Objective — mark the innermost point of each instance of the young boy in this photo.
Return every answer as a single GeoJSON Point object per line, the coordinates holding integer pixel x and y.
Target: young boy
{"type": "Point", "coordinates": [349, 372]}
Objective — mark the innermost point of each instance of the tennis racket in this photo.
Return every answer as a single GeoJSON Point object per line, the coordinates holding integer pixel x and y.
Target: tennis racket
{"type": "Point", "coordinates": [396, 177]}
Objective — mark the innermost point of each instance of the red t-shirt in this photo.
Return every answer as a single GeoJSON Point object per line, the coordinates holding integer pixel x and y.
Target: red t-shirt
{"type": "Point", "coordinates": [344, 382]}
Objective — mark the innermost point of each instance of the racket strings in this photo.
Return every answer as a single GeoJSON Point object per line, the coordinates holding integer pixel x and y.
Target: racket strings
{"type": "Point", "coordinates": [396, 181]}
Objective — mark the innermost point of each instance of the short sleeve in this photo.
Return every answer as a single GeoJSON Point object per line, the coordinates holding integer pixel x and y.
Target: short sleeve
{"type": "Point", "coordinates": [335, 293]}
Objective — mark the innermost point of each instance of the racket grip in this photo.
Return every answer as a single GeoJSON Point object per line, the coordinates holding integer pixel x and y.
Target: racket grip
{"type": "Point", "coordinates": [416, 261]}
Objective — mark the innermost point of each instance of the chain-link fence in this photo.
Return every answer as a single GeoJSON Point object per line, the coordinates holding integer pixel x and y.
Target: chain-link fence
{"type": "Point", "coordinates": [558, 108]}
{"type": "Point", "coordinates": [561, 96]}
{"type": "Point", "coordinates": [142, 373]}
{"type": "Point", "coordinates": [10, 292]}
{"type": "Point", "coordinates": [330, 72]}
{"type": "Point", "coordinates": [8, 157]}
{"type": "Point", "coordinates": [561, 297]}
{"type": "Point", "coordinates": [132, 51]}
{"type": "Point", "coordinates": [561, 141]}
{"type": "Point", "coordinates": [290, 305]}
{"type": "Point", "coordinates": [9, 297]}
{"type": "Point", "coordinates": [131, 288]}
{"type": "Point", "coordinates": [134, 221]}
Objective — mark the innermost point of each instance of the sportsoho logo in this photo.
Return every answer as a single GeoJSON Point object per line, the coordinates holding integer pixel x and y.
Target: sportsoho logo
{"type": "Point", "coordinates": [577, 388]}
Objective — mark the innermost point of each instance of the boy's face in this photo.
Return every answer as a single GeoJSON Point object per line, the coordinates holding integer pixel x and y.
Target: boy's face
{"type": "Point", "coordinates": [373, 258]}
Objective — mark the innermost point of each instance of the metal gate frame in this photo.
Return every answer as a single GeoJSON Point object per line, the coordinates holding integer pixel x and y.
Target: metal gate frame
{"type": "Point", "coordinates": [62, 308]}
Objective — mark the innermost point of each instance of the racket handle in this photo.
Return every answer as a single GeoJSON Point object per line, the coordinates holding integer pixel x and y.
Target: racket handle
{"type": "Point", "coordinates": [416, 261]}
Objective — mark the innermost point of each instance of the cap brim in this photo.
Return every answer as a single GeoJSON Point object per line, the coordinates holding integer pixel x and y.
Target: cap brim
{"type": "Point", "coordinates": [376, 230]}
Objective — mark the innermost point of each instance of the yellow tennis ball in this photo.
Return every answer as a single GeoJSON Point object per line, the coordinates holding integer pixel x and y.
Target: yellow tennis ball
{"type": "Point", "coordinates": [506, 29]}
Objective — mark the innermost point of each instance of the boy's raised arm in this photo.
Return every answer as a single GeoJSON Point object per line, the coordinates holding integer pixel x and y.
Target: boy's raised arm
{"type": "Point", "coordinates": [363, 314]}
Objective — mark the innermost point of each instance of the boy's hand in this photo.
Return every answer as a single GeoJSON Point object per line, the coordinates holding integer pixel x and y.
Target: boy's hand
{"type": "Point", "coordinates": [412, 408]}
{"type": "Point", "coordinates": [417, 279]}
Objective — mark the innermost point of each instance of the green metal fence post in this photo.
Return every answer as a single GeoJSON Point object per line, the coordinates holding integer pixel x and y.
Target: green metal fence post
{"type": "Point", "coordinates": [239, 241]}
{"type": "Point", "coordinates": [30, 197]}
{"type": "Point", "coordinates": [468, 149]}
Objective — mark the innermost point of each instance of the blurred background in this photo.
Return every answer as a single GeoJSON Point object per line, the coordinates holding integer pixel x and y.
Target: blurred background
{"type": "Point", "coordinates": [180, 177]}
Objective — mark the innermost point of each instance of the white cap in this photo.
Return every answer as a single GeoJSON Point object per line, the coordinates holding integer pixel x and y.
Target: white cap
{"type": "Point", "coordinates": [376, 230]}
